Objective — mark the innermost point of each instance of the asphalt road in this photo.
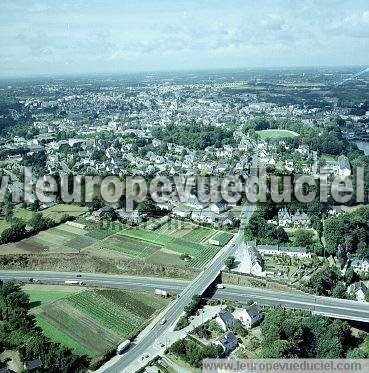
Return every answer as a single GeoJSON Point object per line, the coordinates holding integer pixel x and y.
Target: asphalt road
{"type": "Point", "coordinates": [339, 308]}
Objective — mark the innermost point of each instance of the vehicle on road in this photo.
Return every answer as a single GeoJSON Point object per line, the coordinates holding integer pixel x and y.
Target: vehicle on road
{"type": "Point", "coordinates": [74, 282]}
{"type": "Point", "coordinates": [162, 293]}
{"type": "Point", "coordinates": [220, 286]}
{"type": "Point", "coordinates": [123, 347]}
{"type": "Point", "coordinates": [79, 275]}
{"type": "Point", "coordinates": [163, 321]}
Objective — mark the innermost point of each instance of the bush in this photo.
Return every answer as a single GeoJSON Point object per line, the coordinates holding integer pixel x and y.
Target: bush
{"type": "Point", "coordinates": [182, 323]}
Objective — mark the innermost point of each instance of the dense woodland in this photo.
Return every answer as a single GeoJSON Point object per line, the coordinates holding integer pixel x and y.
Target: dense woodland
{"type": "Point", "coordinates": [291, 334]}
{"type": "Point", "coordinates": [348, 234]}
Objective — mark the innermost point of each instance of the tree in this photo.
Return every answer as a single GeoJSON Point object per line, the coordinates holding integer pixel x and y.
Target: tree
{"type": "Point", "coordinates": [8, 211]}
{"type": "Point", "coordinates": [14, 233]}
{"type": "Point", "coordinates": [277, 349]}
{"type": "Point", "coordinates": [357, 353]}
{"type": "Point", "coordinates": [35, 206]}
{"type": "Point", "coordinates": [362, 250]}
{"type": "Point", "coordinates": [303, 238]}
{"type": "Point", "coordinates": [229, 262]}
{"type": "Point", "coordinates": [193, 305]}
{"type": "Point", "coordinates": [339, 291]}
{"type": "Point", "coordinates": [282, 236]}
{"type": "Point", "coordinates": [351, 276]}
{"type": "Point", "coordinates": [96, 204]}
{"type": "Point", "coordinates": [40, 223]}
{"type": "Point", "coordinates": [147, 206]}
{"type": "Point", "coordinates": [239, 329]}
{"type": "Point", "coordinates": [324, 280]}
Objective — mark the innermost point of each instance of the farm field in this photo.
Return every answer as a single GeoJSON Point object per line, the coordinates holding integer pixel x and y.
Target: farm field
{"type": "Point", "coordinates": [130, 247]}
{"type": "Point", "coordinates": [54, 212]}
{"type": "Point", "coordinates": [198, 234]}
{"type": "Point", "coordinates": [200, 254]}
{"type": "Point", "coordinates": [164, 246]}
{"type": "Point", "coordinates": [276, 134]}
{"type": "Point", "coordinates": [222, 237]}
{"type": "Point", "coordinates": [92, 321]}
{"type": "Point", "coordinates": [61, 239]}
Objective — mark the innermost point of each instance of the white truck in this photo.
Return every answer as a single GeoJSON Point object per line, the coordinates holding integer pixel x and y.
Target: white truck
{"type": "Point", "coordinates": [160, 292]}
{"type": "Point", "coordinates": [74, 282]}
{"type": "Point", "coordinates": [123, 347]}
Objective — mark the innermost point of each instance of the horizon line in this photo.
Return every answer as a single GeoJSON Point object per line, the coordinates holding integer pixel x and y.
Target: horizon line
{"type": "Point", "coordinates": [61, 75]}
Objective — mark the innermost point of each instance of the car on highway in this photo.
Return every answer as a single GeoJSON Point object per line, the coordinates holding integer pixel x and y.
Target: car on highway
{"type": "Point", "coordinates": [79, 275]}
{"type": "Point", "coordinates": [163, 321]}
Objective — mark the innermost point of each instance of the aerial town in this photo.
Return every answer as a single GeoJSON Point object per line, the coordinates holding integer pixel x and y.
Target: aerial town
{"type": "Point", "coordinates": [183, 126]}
{"type": "Point", "coordinates": [184, 186]}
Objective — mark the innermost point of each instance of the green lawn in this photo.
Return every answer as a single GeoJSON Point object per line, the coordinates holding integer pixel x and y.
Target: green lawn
{"type": "Point", "coordinates": [43, 297]}
{"type": "Point", "coordinates": [57, 335]}
{"type": "Point", "coordinates": [276, 134]}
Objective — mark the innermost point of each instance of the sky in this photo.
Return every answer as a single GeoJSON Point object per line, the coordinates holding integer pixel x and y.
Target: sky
{"type": "Point", "coordinates": [104, 36]}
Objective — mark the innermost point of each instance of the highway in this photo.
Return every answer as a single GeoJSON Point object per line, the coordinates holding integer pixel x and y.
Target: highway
{"type": "Point", "coordinates": [338, 308]}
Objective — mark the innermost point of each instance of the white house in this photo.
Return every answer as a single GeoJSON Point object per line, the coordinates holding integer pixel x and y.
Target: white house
{"type": "Point", "coordinates": [344, 168]}
{"type": "Point", "coordinates": [181, 212]}
{"type": "Point", "coordinates": [249, 316]}
{"type": "Point", "coordinates": [257, 262]}
{"type": "Point", "coordinates": [298, 252]}
{"type": "Point", "coordinates": [358, 289]}
{"type": "Point", "coordinates": [219, 207]}
{"type": "Point", "coordinates": [360, 265]}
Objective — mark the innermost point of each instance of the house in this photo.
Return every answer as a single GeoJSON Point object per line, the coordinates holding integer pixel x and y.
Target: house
{"type": "Point", "coordinates": [228, 342]}
{"type": "Point", "coordinates": [335, 210]}
{"type": "Point", "coordinates": [360, 264]}
{"type": "Point", "coordinates": [181, 212]}
{"type": "Point", "coordinates": [193, 202]}
{"type": "Point", "coordinates": [34, 364]}
{"type": "Point", "coordinates": [298, 219]}
{"type": "Point", "coordinates": [103, 213]}
{"type": "Point", "coordinates": [219, 207]}
{"type": "Point", "coordinates": [225, 319]}
{"type": "Point", "coordinates": [344, 168]}
{"type": "Point", "coordinates": [249, 316]}
{"type": "Point", "coordinates": [257, 262]}
{"type": "Point", "coordinates": [130, 216]}
{"type": "Point", "coordinates": [284, 218]}
{"type": "Point", "coordinates": [298, 252]}
{"type": "Point", "coordinates": [203, 216]}
{"type": "Point", "coordinates": [227, 219]}
{"type": "Point", "coordinates": [358, 290]}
